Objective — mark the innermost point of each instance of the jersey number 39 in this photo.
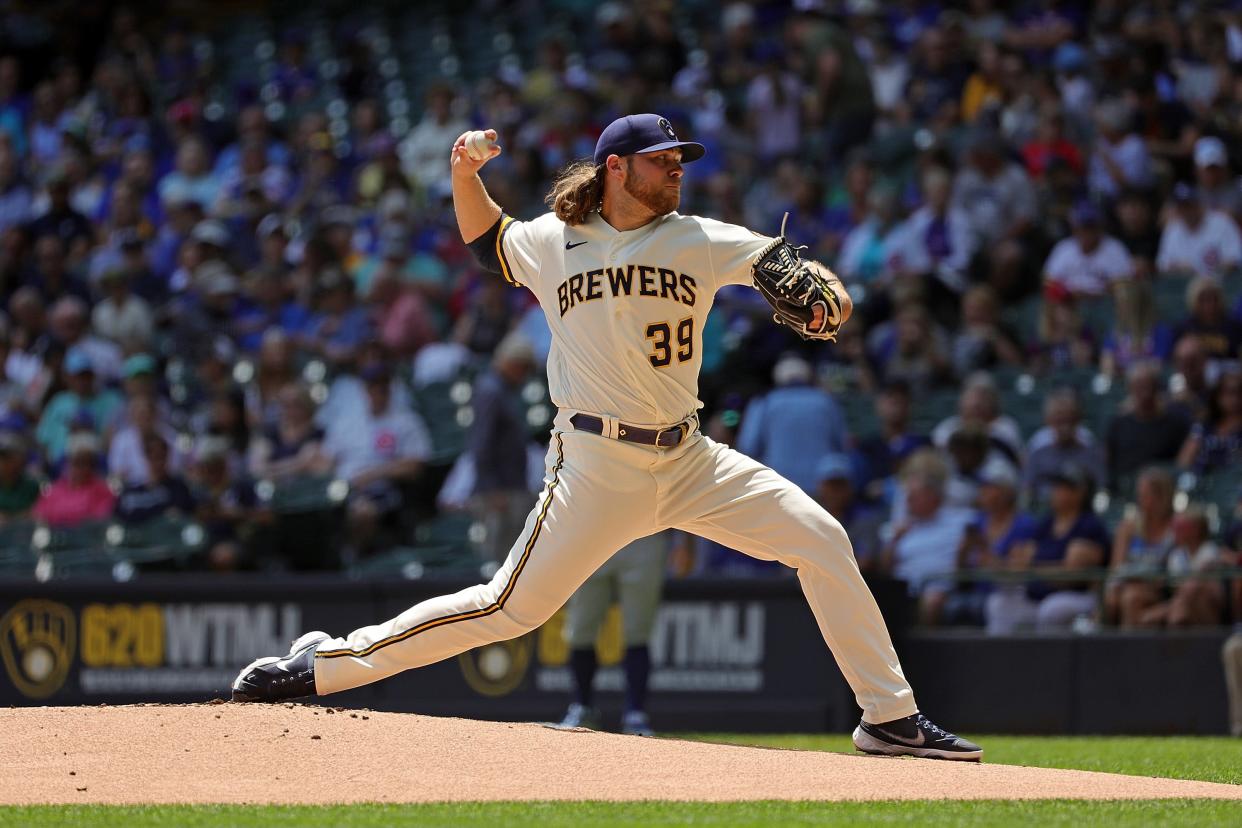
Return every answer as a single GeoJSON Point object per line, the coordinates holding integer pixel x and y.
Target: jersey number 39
{"type": "Point", "coordinates": [661, 337]}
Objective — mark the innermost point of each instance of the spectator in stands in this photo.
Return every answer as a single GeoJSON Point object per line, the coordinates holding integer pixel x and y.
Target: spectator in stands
{"type": "Point", "coordinates": [339, 327]}
{"type": "Point", "coordinates": [422, 150]}
{"type": "Point", "coordinates": [1088, 263]}
{"type": "Point", "coordinates": [12, 390]}
{"type": "Point", "coordinates": [161, 493]}
{"type": "Point", "coordinates": [979, 404]}
{"type": "Point", "coordinates": [82, 394]}
{"type": "Point", "coordinates": [1071, 538]}
{"type": "Point", "coordinates": [1051, 144]}
{"type": "Point", "coordinates": [51, 274]}
{"type": "Point", "coordinates": [127, 455]}
{"type": "Point", "coordinates": [1209, 322]}
{"type": "Point", "coordinates": [1197, 592]}
{"type": "Point", "coordinates": [792, 428]}
{"type": "Point", "coordinates": [935, 244]}
{"type": "Point", "coordinates": [61, 220]}
{"type": "Point", "coordinates": [1063, 439]}
{"type": "Point", "coordinates": [1218, 187]}
{"type": "Point", "coordinates": [192, 178]}
{"type": "Point", "coordinates": [883, 451]}
{"type": "Point", "coordinates": [80, 494]}
{"type": "Point", "coordinates": [1120, 158]}
{"type": "Point", "coordinates": [1216, 442]}
{"type": "Point", "coordinates": [488, 316]}
{"type": "Point", "coordinates": [401, 318]}
{"type": "Point", "coordinates": [1136, 229]}
{"type": "Point", "coordinates": [18, 488]}
{"type": "Point", "coordinates": [1197, 241]}
{"type": "Point", "coordinates": [1141, 550]}
{"type": "Point", "coordinates": [967, 452]}
{"type": "Point", "coordinates": [982, 341]}
{"type": "Point", "coordinates": [1136, 334]}
{"type": "Point", "coordinates": [497, 442]}
{"type": "Point", "coordinates": [866, 246]}
{"type": "Point", "coordinates": [996, 527]}
{"type": "Point", "coordinates": [377, 448]}
{"type": "Point", "coordinates": [15, 195]}
{"type": "Point", "coordinates": [274, 370]}
{"type": "Point", "coordinates": [1191, 384]}
{"type": "Point", "coordinates": [1146, 430]}
{"type": "Point", "coordinates": [269, 306]}
{"type": "Point", "coordinates": [835, 491]}
{"type": "Point", "coordinates": [68, 324]}
{"type": "Point", "coordinates": [226, 505]}
{"type": "Point", "coordinates": [1001, 202]}
{"type": "Point", "coordinates": [921, 549]}
{"type": "Point", "coordinates": [120, 316]}
{"type": "Point", "coordinates": [1064, 340]}
{"type": "Point", "coordinates": [292, 444]}
{"type": "Point", "coordinates": [915, 350]}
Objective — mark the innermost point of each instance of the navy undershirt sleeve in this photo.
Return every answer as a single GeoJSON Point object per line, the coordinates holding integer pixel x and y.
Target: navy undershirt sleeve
{"type": "Point", "coordinates": [484, 248]}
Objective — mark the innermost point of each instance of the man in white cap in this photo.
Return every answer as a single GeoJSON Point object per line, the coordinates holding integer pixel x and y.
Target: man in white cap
{"type": "Point", "coordinates": [1219, 189]}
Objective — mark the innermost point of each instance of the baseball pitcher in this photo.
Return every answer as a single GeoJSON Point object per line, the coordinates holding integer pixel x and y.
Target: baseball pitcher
{"type": "Point", "coordinates": [626, 283]}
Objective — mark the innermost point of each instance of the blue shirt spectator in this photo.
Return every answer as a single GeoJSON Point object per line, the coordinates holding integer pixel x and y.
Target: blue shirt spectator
{"type": "Point", "coordinates": [792, 427]}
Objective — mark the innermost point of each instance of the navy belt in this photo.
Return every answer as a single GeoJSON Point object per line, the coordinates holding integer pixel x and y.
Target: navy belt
{"type": "Point", "coordinates": [664, 438]}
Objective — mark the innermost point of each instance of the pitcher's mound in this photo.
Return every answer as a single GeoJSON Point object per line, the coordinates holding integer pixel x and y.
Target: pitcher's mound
{"type": "Point", "coordinates": [303, 754]}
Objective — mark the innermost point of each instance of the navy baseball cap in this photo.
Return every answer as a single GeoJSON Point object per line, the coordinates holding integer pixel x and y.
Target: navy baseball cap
{"type": "Point", "coordinates": [1085, 214]}
{"type": "Point", "coordinates": [1184, 193]}
{"type": "Point", "coordinates": [643, 133]}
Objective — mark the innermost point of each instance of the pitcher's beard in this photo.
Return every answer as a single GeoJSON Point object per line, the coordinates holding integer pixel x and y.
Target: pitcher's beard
{"type": "Point", "coordinates": [659, 200]}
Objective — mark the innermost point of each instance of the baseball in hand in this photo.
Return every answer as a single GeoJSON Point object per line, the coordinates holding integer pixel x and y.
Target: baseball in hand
{"type": "Point", "coordinates": [478, 146]}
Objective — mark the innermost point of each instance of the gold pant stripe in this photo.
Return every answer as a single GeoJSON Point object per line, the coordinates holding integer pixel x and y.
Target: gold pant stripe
{"type": "Point", "coordinates": [479, 613]}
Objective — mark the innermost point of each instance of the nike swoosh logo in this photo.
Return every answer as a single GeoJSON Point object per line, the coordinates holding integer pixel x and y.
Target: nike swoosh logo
{"type": "Point", "coordinates": [919, 742]}
{"type": "Point", "coordinates": [572, 245]}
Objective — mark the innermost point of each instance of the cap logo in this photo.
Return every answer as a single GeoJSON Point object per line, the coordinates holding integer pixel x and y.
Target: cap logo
{"type": "Point", "coordinates": [667, 128]}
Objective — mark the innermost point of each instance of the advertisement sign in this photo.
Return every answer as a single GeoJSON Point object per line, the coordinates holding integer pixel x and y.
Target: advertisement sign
{"type": "Point", "coordinates": [169, 641]}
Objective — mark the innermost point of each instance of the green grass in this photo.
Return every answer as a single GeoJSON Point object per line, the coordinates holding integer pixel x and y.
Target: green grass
{"type": "Point", "coordinates": [1206, 758]}
{"type": "Point", "coordinates": [573, 814]}
{"type": "Point", "coordinates": [1209, 759]}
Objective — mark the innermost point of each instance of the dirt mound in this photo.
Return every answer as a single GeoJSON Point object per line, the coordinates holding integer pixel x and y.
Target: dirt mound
{"type": "Point", "coordinates": [305, 754]}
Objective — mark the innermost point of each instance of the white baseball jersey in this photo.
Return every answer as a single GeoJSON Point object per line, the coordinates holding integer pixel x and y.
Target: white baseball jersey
{"type": "Point", "coordinates": [1093, 272]}
{"type": "Point", "coordinates": [1214, 246]}
{"type": "Point", "coordinates": [627, 308]}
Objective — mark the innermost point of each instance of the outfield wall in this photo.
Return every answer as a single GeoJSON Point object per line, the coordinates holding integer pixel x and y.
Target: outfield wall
{"type": "Point", "coordinates": [726, 655]}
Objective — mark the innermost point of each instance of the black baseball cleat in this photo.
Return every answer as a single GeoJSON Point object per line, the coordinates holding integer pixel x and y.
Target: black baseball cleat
{"type": "Point", "coordinates": [277, 678]}
{"type": "Point", "coordinates": [914, 736]}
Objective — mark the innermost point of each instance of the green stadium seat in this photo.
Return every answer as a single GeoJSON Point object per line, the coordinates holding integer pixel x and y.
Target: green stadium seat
{"type": "Point", "coordinates": [930, 408]}
{"type": "Point", "coordinates": [1023, 318]}
{"type": "Point", "coordinates": [1169, 297]}
{"type": "Point", "coordinates": [859, 411]}
{"type": "Point", "coordinates": [298, 495]}
{"type": "Point", "coordinates": [168, 539]}
{"type": "Point", "coordinates": [445, 407]}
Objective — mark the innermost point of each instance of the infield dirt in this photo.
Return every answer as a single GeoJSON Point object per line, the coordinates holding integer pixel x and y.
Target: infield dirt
{"type": "Point", "coordinates": [305, 754]}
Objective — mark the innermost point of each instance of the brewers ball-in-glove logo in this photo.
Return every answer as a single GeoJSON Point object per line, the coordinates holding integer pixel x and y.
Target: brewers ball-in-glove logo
{"type": "Point", "coordinates": [668, 128]}
{"type": "Point", "coordinates": [36, 644]}
{"type": "Point", "coordinates": [497, 669]}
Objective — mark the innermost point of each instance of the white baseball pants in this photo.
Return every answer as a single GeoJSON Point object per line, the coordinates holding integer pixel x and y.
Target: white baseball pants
{"type": "Point", "coordinates": [599, 495]}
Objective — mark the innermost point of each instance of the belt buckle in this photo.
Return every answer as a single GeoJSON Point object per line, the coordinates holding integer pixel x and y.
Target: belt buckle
{"type": "Point", "coordinates": [683, 431]}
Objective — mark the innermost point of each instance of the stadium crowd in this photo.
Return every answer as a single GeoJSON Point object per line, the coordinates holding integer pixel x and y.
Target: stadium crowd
{"type": "Point", "coordinates": [228, 258]}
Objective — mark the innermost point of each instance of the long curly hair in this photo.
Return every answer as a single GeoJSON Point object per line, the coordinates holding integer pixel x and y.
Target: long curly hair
{"type": "Point", "coordinates": [577, 192]}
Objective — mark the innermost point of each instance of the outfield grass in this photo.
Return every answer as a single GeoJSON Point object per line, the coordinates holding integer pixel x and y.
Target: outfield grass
{"type": "Point", "coordinates": [1209, 759]}
{"type": "Point", "coordinates": [1206, 758]}
{"type": "Point", "coordinates": [573, 814]}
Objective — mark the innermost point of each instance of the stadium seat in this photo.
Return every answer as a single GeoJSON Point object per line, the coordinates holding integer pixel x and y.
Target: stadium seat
{"type": "Point", "coordinates": [165, 540]}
